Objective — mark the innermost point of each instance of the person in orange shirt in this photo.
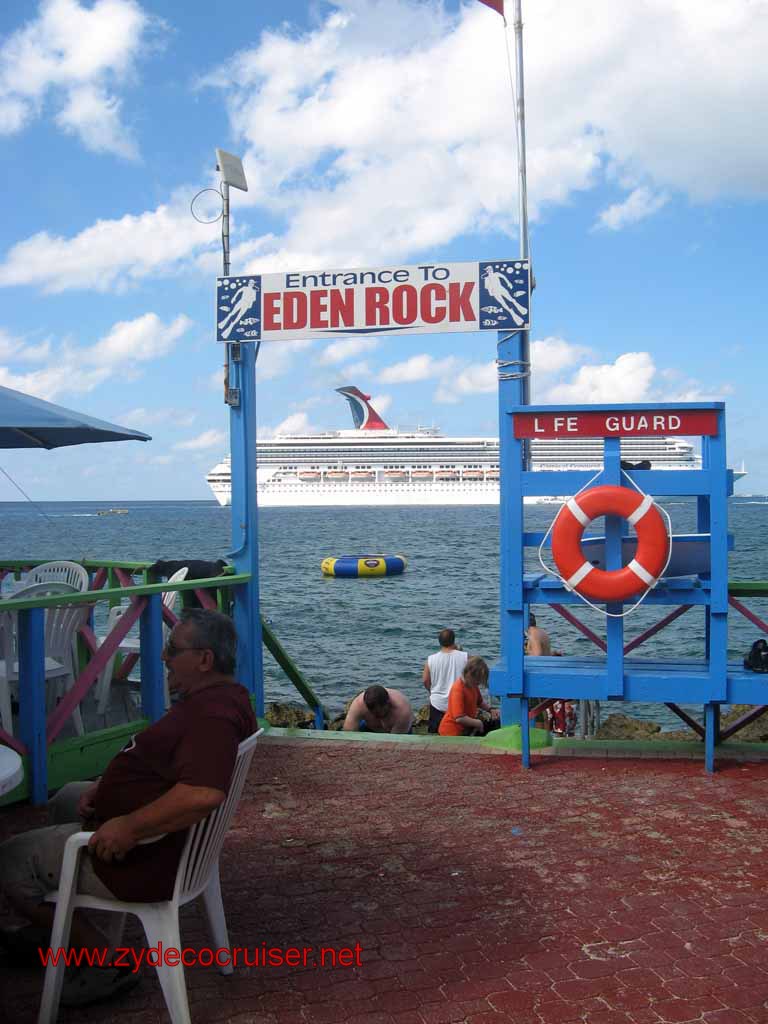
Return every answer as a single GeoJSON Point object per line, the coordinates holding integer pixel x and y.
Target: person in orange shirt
{"type": "Point", "coordinates": [464, 699]}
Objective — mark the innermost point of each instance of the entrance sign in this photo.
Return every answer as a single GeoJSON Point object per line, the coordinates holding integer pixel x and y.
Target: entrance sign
{"type": "Point", "coordinates": [429, 298]}
{"type": "Point", "coordinates": [636, 422]}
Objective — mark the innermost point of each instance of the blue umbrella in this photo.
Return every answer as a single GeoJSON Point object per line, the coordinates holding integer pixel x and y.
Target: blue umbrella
{"type": "Point", "coordinates": [27, 422]}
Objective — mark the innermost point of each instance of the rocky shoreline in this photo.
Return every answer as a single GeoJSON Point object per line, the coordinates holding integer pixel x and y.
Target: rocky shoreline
{"type": "Point", "coordinates": [615, 727]}
{"type": "Point", "coordinates": [622, 727]}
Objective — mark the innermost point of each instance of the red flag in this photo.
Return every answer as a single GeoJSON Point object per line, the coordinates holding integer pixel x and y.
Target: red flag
{"type": "Point", "coordinates": [497, 5]}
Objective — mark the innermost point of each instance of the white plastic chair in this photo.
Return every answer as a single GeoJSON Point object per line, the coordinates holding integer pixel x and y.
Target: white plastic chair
{"type": "Point", "coordinates": [197, 875]}
{"type": "Point", "coordinates": [61, 625]}
{"type": "Point", "coordinates": [61, 572]}
{"type": "Point", "coordinates": [132, 644]}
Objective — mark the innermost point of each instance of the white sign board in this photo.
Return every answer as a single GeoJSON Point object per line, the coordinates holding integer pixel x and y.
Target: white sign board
{"type": "Point", "coordinates": [425, 299]}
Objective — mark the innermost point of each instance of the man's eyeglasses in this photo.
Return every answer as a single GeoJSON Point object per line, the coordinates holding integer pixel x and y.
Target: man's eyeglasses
{"type": "Point", "coordinates": [171, 650]}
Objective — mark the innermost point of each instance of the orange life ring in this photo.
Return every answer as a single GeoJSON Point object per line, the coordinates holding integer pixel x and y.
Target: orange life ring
{"type": "Point", "coordinates": [619, 584]}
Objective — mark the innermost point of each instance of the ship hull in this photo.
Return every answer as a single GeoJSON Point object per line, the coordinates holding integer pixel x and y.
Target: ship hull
{"type": "Point", "coordinates": [320, 497]}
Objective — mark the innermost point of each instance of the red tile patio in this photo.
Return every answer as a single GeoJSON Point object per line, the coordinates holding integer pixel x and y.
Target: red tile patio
{"type": "Point", "coordinates": [606, 891]}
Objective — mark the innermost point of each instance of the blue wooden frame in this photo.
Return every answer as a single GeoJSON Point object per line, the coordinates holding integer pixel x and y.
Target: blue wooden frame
{"type": "Point", "coordinates": [515, 679]}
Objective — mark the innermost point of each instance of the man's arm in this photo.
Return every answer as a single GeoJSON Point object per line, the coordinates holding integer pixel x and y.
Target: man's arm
{"type": "Point", "coordinates": [426, 677]}
{"type": "Point", "coordinates": [179, 808]}
{"type": "Point", "coordinates": [403, 720]}
{"type": "Point", "coordinates": [354, 715]}
{"type": "Point", "coordinates": [470, 723]}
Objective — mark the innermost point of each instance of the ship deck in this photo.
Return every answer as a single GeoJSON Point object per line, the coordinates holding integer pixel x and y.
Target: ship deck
{"type": "Point", "coordinates": [599, 890]}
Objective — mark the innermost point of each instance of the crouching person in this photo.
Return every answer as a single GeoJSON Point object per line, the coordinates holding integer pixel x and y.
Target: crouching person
{"type": "Point", "coordinates": [464, 701]}
{"type": "Point", "coordinates": [166, 779]}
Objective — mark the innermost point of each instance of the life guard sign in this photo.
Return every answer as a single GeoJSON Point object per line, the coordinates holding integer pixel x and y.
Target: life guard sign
{"type": "Point", "coordinates": [637, 422]}
{"type": "Point", "coordinates": [429, 298]}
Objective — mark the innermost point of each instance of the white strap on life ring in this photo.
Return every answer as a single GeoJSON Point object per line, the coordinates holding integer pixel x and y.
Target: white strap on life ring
{"type": "Point", "coordinates": [640, 511]}
{"type": "Point", "coordinates": [578, 576]}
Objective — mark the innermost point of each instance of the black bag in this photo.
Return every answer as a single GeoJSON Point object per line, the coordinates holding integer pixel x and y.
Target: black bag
{"type": "Point", "coordinates": [757, 659]}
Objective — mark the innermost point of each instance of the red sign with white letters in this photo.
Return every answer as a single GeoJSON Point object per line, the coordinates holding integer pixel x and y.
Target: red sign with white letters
{"type": "Point", "coordinates": [610, 423]}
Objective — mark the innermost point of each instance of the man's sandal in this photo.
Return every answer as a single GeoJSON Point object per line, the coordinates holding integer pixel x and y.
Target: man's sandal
{"type": "Point", "coordinates": [22, 947]}
{"type": "Point", "coordinates": [86, 985]}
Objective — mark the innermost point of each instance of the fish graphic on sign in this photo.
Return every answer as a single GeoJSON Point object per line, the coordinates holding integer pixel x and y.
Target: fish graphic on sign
{"type": "Point", "coordinates": [240, 303]}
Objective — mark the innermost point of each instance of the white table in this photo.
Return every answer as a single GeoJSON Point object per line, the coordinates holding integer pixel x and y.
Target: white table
{"type": "Point", "coordinates": [11, 769]}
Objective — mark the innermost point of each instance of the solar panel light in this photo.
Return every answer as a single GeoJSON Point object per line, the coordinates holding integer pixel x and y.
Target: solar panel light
{"type": "Point", "coordinates": [231, 168]}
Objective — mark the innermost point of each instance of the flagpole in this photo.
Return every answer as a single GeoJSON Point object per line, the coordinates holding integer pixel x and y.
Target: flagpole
{"type": "Point", "coordinates": [522, 172]}
{"type": "Point", "coordinates": [514, 360]}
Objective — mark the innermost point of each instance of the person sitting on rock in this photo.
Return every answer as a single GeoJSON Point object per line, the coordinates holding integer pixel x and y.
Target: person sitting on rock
{"type": "Point", "coordinates": [379, 709]}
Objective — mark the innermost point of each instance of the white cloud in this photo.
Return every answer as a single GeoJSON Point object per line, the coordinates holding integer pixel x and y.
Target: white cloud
{"type": "Point", "coordinates": [142, 417]}
{"type": "Point", "coordinates": [551, 355]}
{"type": "Point", "coordinates": [66, 377]}
{"type": "Point", "coordinates": [74, 56]}
{"type": "Point", "coordinates": [77, 370]}
{"type": "Point", "coordinates": [139, 340]}
{"type": "Point", "coordinates": [418, 367]}
{"type": "Point", "coordinates": [208, 439]}
{"type": "Point", "coordinates": [276, 358]}
{"type": "Point", "coordinates": [18, 349]}
{"type": "Point", "coordinates": [381, 403]}
{"type": "Point", "coordinates": [111, 254]}
{"type": "Point", "coordinates": [346, 348]}
{"type": "Point", "coordinates": [359, 370]}
{"type": "Point", "coordinates": [638, 205]}
{"type": "Point", "coordinates": [631, 377]}
{"type": "Point", "coordinates": [477, 378]}
{"type": "Point", "coordinates": [628, 379]}
{"type": "Point", "coordinates": [296, 423]}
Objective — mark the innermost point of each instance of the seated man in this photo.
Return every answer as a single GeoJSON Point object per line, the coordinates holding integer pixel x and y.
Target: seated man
{"type": "Point", "coordinates": [168, 777]}
{"type": "Point", "coordinates": [379, 709]}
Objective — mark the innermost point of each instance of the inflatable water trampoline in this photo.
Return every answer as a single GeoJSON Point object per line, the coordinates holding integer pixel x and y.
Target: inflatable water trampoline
{"type": "Point", "coordinates": [364, 565]}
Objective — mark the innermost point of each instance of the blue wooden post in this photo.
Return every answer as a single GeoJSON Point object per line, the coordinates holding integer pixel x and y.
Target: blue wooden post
{"type": "Point", "coordinates": [245, 526]}
{"type": "Point", "coordinates": [711, 726]}
{"type": "Point", "coordinates": [614, 531]}
{"type": "Point", "coordinates": [152, 690]}
{"type": "Point", "coordinates": [715, 460]}
{"type": "Point", "coordinates": [525, 735]}
{"type": "Point", "coordinates": [511, 605]}
{"type": "Point", "coordinates": [31, 638]}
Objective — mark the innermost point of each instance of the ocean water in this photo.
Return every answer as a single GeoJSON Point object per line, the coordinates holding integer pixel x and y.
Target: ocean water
{"type": "Point", "coordinates": [345, 634]}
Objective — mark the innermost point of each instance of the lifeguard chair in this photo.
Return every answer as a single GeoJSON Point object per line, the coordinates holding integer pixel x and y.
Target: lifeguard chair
{"type": "Point", "coordinates": [693, 573]}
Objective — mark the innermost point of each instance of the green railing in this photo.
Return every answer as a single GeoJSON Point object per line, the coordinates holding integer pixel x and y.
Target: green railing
{"type": "Point", "coordinates": [113, 582]}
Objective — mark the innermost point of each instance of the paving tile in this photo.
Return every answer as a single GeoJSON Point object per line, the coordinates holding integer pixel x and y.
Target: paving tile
{"type": "Point", "coordinates": [616, 905]}
{"type": "Point", "coordinates": [676, 1011]}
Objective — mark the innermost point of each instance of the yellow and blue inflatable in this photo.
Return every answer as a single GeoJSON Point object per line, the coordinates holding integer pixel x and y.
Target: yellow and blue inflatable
{"type": "Point", "coordinates": [364, 565]}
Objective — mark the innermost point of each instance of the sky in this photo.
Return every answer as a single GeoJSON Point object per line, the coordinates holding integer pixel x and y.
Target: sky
{"type": "Point", "coordinates": [374, 133]}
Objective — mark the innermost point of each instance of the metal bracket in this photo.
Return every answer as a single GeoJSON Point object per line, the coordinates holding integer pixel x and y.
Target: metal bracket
{"type": "Point", "coordinates": [235, 350]}
{"type": "Point", "coordinates": [233, 397]}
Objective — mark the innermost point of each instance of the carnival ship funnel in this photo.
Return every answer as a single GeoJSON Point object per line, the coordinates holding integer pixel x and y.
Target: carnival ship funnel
{"type": "Point", "coordinates": [364, 415]}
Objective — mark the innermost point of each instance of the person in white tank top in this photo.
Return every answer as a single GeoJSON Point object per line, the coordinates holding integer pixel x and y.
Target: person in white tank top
{"type": "Point", "coordinates": [441, 670]}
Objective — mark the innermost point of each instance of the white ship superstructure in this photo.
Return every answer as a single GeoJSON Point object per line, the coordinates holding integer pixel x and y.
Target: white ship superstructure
{"type": "Point", "coordinates": [374, 465]}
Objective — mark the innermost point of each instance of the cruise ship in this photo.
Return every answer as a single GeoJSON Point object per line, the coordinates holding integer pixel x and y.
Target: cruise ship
{"type": "Point", "coordinates": [375, 465]}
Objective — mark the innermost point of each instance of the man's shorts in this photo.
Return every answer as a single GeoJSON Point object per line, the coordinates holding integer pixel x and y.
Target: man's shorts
{"type": "Point", "coordinates": [30, 863]}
